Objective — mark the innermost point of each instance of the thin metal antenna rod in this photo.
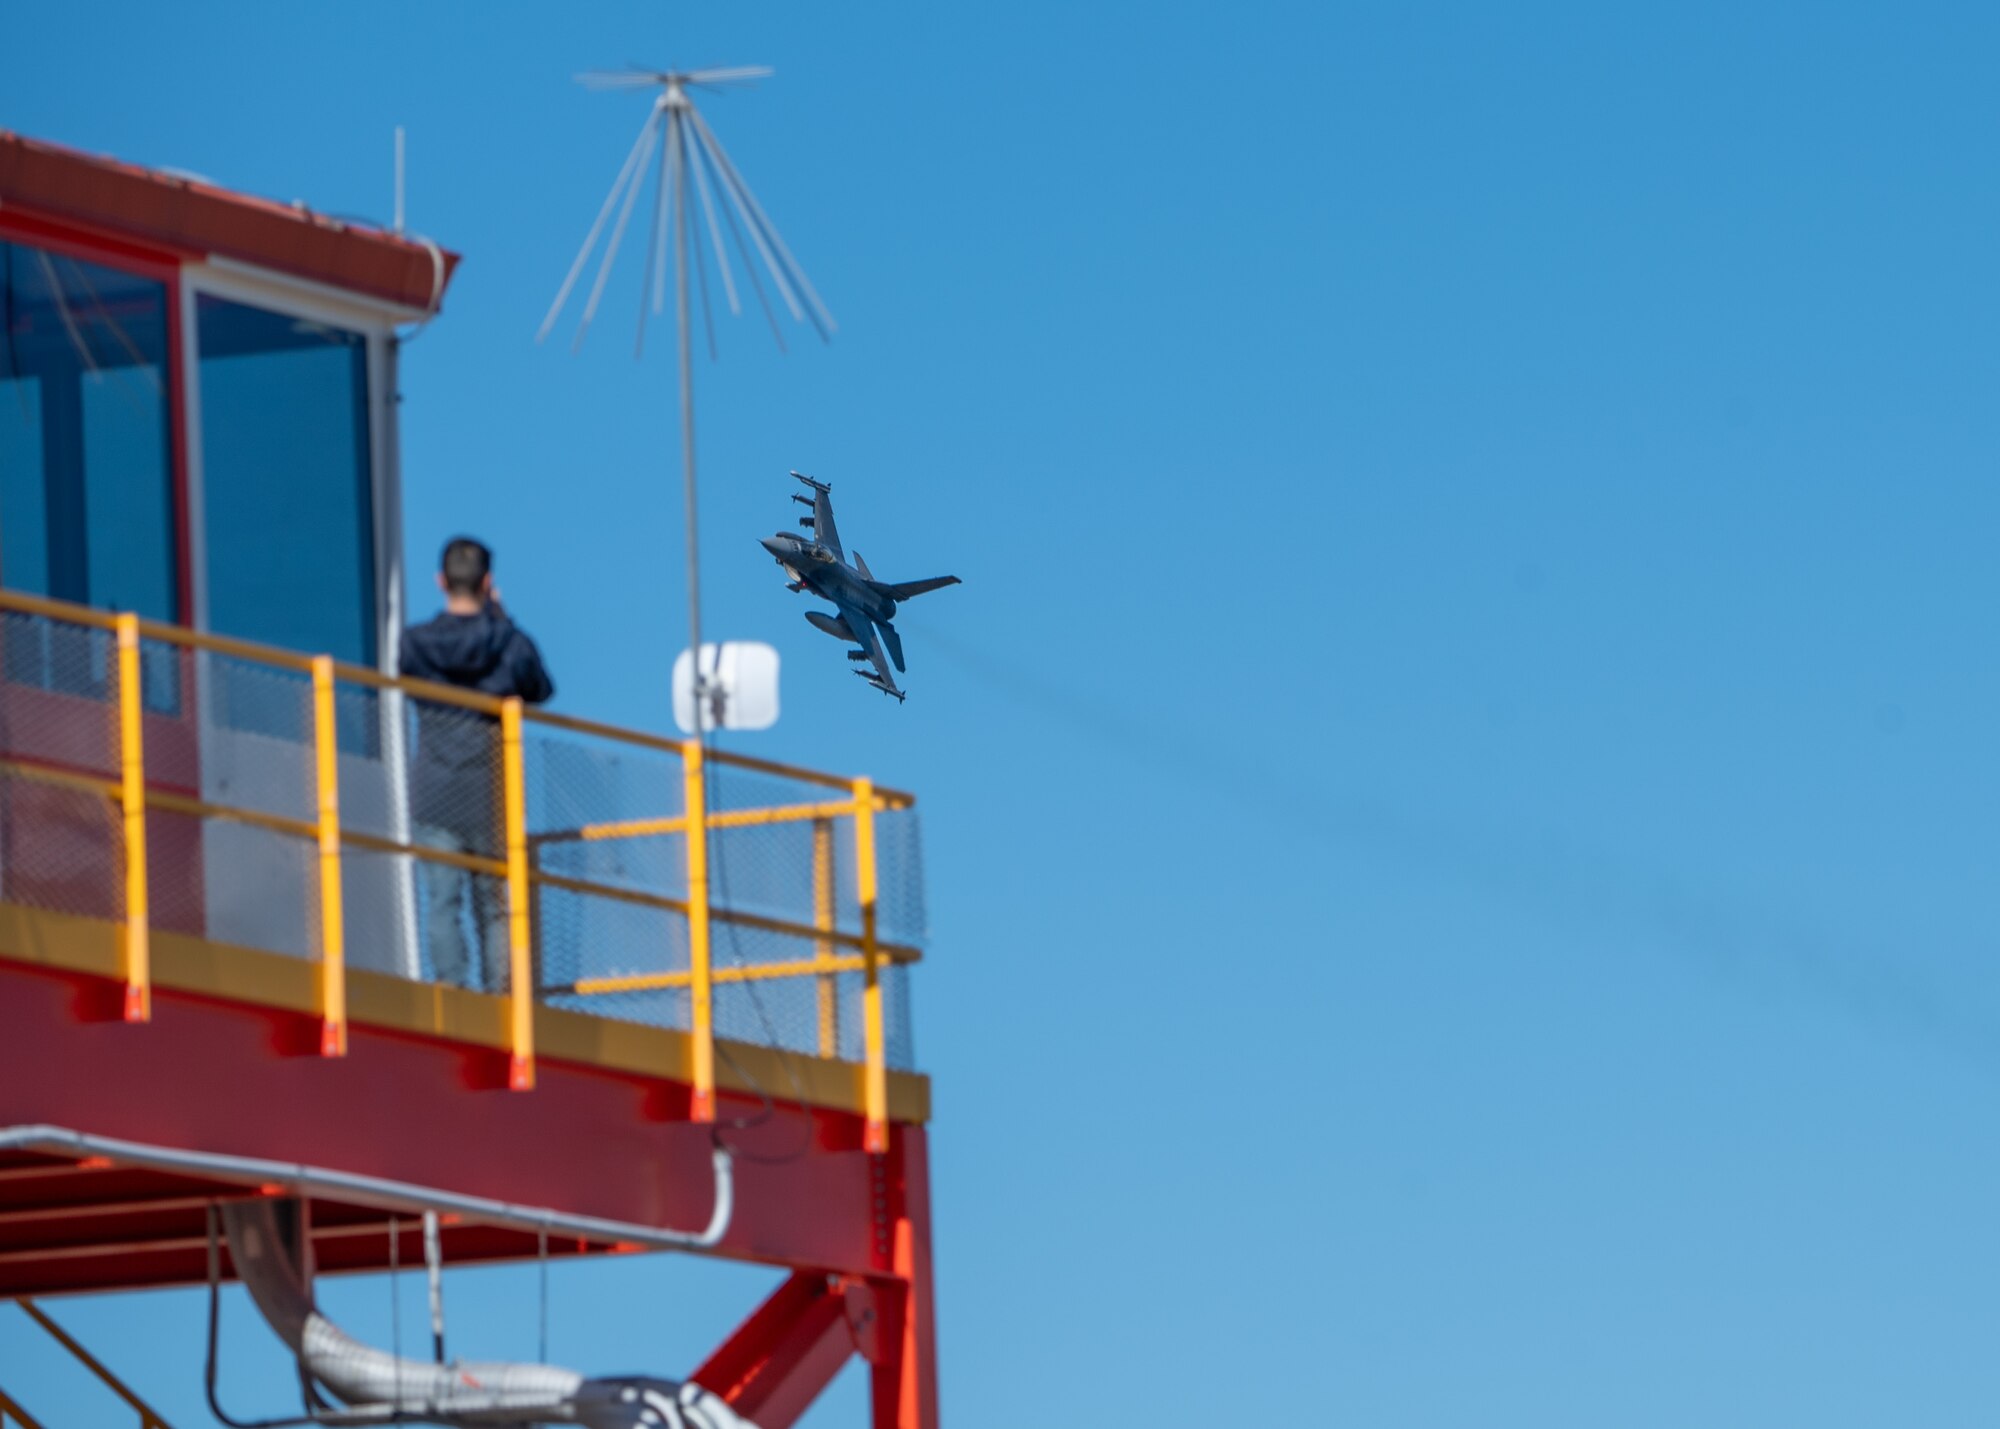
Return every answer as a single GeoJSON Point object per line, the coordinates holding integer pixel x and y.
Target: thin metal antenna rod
{"type": "Point", "coordinates": [617, 234]}
{"type": "Point", "coordinates": [653, 287]}
{"type": "Point", "coordinates": [714, 233]}
{"type": "Point", "coordinates": [676, 121]}
{"type": "Point", "coordinates": [822, 319]}
{"type": "Point", "coordinates": [590, 239]}
{"type": "Point", "coordinates": [732, 186]}
{"type": "Point", "coordinates": [743, 251]}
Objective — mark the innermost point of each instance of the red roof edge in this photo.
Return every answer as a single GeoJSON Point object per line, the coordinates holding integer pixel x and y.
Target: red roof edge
{"type": "Point", "coordinates": [197, 219]}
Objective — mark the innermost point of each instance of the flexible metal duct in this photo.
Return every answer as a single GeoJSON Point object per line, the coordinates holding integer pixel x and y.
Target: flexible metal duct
{"type": "Point", "coordinates": [377, 1384]}
{"type": "Point", "coordinates": [380, 1387]}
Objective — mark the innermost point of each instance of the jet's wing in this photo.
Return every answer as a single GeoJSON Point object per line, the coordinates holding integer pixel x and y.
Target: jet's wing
{"type": "Point", "coordinates": [824, 530]}
{"type": "Point", "coordinates": [866, 637]}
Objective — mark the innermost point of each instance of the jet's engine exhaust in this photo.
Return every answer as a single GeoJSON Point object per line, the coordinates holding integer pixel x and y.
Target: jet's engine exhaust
{"type": "Point", "coordinates": [833, 625]}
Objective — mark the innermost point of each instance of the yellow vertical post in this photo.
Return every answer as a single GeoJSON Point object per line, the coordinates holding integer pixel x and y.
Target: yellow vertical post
{"type": "Point", "coordinates": [875, 1084]}
{"type": "Point", "coordinates": [520, 948]}
{"type": "Point", "coordinates": [701, 992]}
{"type": "Point", "coordinates": [823, 917]}
{"type": "Point", "coordinates": [132, 799]}
{"type": "Point", "coordinates": [332, 924]}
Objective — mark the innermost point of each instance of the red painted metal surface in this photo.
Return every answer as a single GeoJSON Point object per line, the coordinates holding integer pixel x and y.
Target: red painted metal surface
{"type": "Point", "coordinates": [217, 1076]}
{"type": "Point", "coordinates": [904, 1378]}
{"type": "Point", "coordinates": [122, 202]}
{"type": "Point", "coordinates": [790, 1349]}
{"type": "Point", "coordinates": [225, 1077]}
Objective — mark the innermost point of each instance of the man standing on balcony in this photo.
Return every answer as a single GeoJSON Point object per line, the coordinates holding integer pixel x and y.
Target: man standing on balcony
{"type": "Point", "coordinates": [455, 789]}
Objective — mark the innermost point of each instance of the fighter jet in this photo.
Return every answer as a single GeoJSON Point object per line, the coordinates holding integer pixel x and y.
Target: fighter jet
{"type": "Point", "coordinates": [866, 605]}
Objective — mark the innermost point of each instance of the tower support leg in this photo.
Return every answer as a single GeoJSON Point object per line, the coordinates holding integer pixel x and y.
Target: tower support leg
{"type": "Point", "coordinates": [779, 1359]}
{"type": "Point", "coordinates": [904, 1363]}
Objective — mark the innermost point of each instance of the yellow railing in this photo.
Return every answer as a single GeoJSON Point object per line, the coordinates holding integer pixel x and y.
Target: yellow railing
{"type": "Point", "coordinates": [827, 951]}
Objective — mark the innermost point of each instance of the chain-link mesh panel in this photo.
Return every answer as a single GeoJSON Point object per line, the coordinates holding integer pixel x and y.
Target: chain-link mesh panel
{"type": "Point", "coordinates": [374, 747]}
{"type": "Point", "coordinates": [779, 1012]}
{"type": "Point", "coordinates": [380, 912]}
{"type": "Point", "coordinates": [899, 1044]}
{"type": "Point", "coordinates": [260, 886]}
{"type": "Point", "coordinates": [174, 872]}
{"type": "Point", "coordinates": [900, 916]}
{"type": "Point", "coordinates": [767, 869]}
{"type": "Point", "coordinates": [587, 936]}
{"type": "Point", "coordinates": [58, 694]}
{"type": "Point", "coordinates": [260, 889]}
{"type": "Point", "coordinates": [257, 749]}
{"type": "Point", "coordinates": [576, 780]}
{"type": "Point", "coordinates": [60, 848]}
{"type": "Point", "coordinates": [451, 766]}
{"type": "Point", "coordinates": [459, 913]}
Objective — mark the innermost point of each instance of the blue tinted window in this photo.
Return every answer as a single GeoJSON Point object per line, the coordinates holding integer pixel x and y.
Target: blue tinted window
{"type": "Point", "coordinates": [287, 508]}
{"type": "Point", "coordinates": [86, 472]}
{"type": "Point", "coordinates": [127, 506]}
{"type": "Point", "coordinates": [24, 507]}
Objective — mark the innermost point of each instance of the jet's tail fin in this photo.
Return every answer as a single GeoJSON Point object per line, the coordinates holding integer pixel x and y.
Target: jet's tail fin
{"type": "Point", "coordinates": [861, 565]}
{"type": "Point", "coordinates": [906, 589]}
{"type": "Point", "coordinates": [891, 639]}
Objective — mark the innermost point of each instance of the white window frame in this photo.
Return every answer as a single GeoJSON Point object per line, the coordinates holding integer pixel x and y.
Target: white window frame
{"type": "Point", "coordinates": [376, 321]}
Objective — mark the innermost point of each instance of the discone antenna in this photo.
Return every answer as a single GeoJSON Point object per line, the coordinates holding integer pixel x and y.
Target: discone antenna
{"type": "Point", "coordinates": [694, 169]}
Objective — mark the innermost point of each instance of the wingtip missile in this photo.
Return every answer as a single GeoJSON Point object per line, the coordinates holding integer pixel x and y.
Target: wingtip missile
{"type": "Point", "coordinates": [815, 485]}
{"type": "Point", "coordinates": [876, 680]}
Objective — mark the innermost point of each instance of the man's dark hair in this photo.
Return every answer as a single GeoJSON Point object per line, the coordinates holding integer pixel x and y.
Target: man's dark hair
{"type": "Point", "coordinates": [465, 564]}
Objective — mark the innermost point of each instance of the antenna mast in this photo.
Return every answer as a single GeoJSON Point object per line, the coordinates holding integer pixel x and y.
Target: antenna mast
{"type": "Point", "coordinates": [692, 163]}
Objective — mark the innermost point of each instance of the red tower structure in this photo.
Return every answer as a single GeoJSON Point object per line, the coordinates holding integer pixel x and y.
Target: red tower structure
{"type": "Point", "coordinates": [216, 909]}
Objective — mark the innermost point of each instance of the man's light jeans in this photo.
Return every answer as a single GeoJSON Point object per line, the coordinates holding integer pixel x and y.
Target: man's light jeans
{"type": "Point", "coordinates": [450, 894]}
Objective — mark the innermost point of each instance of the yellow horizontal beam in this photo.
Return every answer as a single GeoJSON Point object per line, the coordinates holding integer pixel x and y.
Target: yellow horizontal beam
{"type": "Point", "coordinates": [757, 972]}
{"type": "Point", "coordinates": [727, 819]}
{"type": "Point", "coordinates": [895, 952]}
{"type": "Point", "coordinates": [618, 829]}
{"type": "Point", "coordinates": [781, 814]}
{"type": "Point", "coordinates": [234, 974]}
{"type": "Point", "coordinates": [61, 778]}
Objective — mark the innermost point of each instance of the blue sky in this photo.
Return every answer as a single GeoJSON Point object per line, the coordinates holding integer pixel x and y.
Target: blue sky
{"type": "Point", "coordinates": [1459, 788]}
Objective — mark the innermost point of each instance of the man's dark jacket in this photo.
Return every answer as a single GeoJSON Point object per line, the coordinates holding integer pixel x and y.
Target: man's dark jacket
{"type": "Point", "coordinates": [455, 781]}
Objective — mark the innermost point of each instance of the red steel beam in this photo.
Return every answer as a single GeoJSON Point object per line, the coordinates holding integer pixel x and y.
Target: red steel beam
{"type": "Point", "coordinates": [226, 1077]}
{"type": "Point", "coordinates": [903, 1381]}
{"type": "Point", "coordinates": [791, 1347]}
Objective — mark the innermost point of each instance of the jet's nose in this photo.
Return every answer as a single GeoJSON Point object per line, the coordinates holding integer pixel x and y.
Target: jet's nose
{"type": "Point", "coordinates": [770, 543]}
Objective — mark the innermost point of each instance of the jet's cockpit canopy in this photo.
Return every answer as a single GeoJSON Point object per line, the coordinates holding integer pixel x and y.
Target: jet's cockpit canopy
{"type": "Point", "coordinates": [812, 549]}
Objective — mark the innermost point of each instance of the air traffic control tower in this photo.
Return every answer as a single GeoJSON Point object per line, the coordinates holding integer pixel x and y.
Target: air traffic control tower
{"type": "Point", "coordinates": [216, 911]}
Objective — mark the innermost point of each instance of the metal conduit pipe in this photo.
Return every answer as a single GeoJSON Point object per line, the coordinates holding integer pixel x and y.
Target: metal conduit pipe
{"type": "Point", "coordinates": [378, 1387]}
{"type": "Point", "coordinates": [383, 1193]}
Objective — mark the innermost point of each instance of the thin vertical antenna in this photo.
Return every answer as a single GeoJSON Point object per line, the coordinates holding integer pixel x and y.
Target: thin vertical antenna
{"type": "Point", "coordinates": [676, 127]}
{"type": "Point", "coordinates": [399, 178]}
{"type": "Point", "coordinates": [689, 155]}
